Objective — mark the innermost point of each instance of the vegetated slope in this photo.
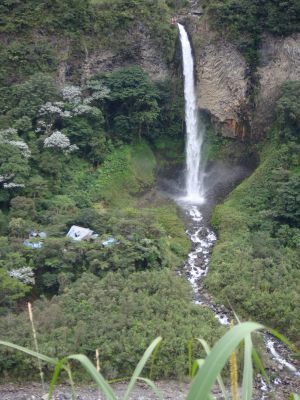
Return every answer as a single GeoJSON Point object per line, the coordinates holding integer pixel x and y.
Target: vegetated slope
{"type": "Point", "coordinates": [120, 315]}
{"type": "Point", "coordinates": [255, 267]}
{"type": "Point", "coordinates": [245, 21]}
{"type": "Point", "coordinates": [80, 149]}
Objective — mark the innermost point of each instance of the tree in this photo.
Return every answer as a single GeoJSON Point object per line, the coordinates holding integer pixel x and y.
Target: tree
{"type": "Point", "coordinates": [286, 202]}
{"type": "Point", "coordinates": [288, 111]}
{"type": "Point", "coordinates": [22, 207]}
{"type": "Point", "coordinates": [32, 94]}
{"type": "Point", "coordinates": [11, 290]}
{"type": "Point", "coordinates": [14, 168]}
{"type": "Point", "coordinates": [132, 102]}
{"type": "Point", "coordinates": [18, 227]}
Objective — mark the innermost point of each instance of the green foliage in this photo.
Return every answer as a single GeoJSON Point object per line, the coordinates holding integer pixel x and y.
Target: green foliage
{"type": "Point", "coordinates": [256, 258]}
{"type": "Point", "coordinates": [131, 103]}
{"type": "Point", "coordinates": [115, 18]}
{"type": "Point", "coordinates": [177, 4]}
{"type": "Point", "coordinates": [206, 372]}
{"type": "Point", "coordinates": [23, 57]}
{"type": "Point", "coordinates": [110, 21]}
{"type": "Point", "coordinates": [246, 20]}
{"type": "Point", "coordinates": [220, 148]}
{"type": "Point", "coordinates": [11, 290]}
{"type": "Point", "coordinates": [127, 170]}
{"type": "Point", "coordinates": [14, 169]}
{"type": "Point", "coordinates": [89, 136]}
{"type": "Point", "coordinates": [287, 111]}
{"type": "Point", "coordinates": [28, 97]}
{"type": "Point", "coordinates": [119, 316]}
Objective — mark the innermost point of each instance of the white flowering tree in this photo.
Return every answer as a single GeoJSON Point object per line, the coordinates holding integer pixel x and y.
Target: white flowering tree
{"type": "Point", "coordinates": [75, 119]}
{"type": "Point", "coordinates": [13, 288]}
{"type": "Point", "coordinates": [14, 155]}
{"type": "Point", "coordinates": [98, 91]}
{"type": "Point", "coordinates": [72, 94]}
{"type": "Point", "coordinates": [58, 140]}
{"type": "Point", "coordinates": [24, 275]}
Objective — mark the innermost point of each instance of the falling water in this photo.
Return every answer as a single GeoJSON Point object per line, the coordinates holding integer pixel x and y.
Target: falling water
{"type": "Point", "coordinates": [202, 237]}
{"type": "Point", "coordinates": [194, 128]}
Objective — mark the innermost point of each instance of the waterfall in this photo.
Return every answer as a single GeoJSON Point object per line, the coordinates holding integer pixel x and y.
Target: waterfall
{"type": "Point", "coordinates": [194, 127]}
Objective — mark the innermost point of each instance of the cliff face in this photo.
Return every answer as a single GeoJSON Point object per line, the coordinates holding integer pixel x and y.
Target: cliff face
{"type": "Point", "coordinates": [222, 86]}
{"type": "Point", "coordinates": [223, 79]}
{"type": "Point", "coordinates": [141, 50]}
{"type": "Point", "coordinates": [280, 61]}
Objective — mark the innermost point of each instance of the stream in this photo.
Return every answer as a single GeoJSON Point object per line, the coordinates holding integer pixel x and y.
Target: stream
{"type": "Point", "coordinates": [196, 268]}
{"type": "Point", "coordinates": [196, 204]}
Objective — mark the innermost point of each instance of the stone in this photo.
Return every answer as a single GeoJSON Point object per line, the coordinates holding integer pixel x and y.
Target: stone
{"type": "Point", "coordinates": [223, 79]}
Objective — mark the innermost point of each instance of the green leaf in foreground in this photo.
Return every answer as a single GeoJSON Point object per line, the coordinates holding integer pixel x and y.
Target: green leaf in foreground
{"type": "Point", "coordinates": [55, 376]}
{"type": "Point", "coordinates": [42, 357]}
{"type": "Point", "coordinates": [219, 378]}
{"type": "Point", "coordinates": [248, 370]}
{"type": "Point", "coordinates": [97, 376]}
{"type": "Point", "coordinates": [140, 366]}
{"type": "Point", "coordinates": [294, 396]}
{"type": "Point", "coordinates": [284, 340]}
{"type": "Point", "coordinates": [217, 358]}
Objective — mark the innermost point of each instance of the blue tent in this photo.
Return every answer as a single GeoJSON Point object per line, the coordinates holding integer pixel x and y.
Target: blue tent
{"type": "Point", "coordinates": [33, 245]}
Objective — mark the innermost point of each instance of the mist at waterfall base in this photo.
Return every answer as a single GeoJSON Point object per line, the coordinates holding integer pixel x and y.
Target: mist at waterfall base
{"type": "Point", "coordinates": [197, 190]}
{"type": "Point", "coordinates": [198, 183]}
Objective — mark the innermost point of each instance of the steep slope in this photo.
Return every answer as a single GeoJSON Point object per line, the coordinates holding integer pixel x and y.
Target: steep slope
{"type": "Point", "coordinates": [238, 81]}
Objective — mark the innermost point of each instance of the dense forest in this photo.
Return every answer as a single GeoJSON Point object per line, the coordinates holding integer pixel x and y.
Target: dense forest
{"type": "Point", "coordinates": [87, 151]}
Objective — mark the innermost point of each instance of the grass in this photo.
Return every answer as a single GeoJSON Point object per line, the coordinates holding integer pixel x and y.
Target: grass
{"type": "Point", "coordinates": [207, 372]}
{"type": "Point", "coordinates": [125, 173]}
{"type": "Point", "coordinates": [255, 258]}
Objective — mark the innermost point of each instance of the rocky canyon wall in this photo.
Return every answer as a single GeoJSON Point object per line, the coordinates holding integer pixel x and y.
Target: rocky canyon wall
{"type": "Point", "coordinates": [223, 79]}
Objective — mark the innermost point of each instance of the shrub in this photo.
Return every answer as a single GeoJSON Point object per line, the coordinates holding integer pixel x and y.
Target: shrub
{"type": "Point", "coordinates": [119, 316]}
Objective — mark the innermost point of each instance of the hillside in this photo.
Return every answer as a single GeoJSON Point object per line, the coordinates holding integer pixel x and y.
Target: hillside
{"type": "Point", "coordinates": [91, 122]}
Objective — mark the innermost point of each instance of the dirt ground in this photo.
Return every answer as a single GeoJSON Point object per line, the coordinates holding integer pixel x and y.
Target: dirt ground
{"type": "Point", "coordinates": [171, 390]}
{"type": "Point", "coordinates": [33, 391]}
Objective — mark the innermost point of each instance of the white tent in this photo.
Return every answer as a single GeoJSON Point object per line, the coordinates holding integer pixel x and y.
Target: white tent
{"type": "Point", "coordinates": [78, 233]}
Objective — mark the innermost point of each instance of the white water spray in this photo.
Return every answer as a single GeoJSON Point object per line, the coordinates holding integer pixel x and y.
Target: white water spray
{"type": "Point", "coordinates": [194, 128]}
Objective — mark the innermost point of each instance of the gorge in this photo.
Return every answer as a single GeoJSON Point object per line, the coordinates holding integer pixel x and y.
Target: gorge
{"type": "Point", "coordinates": [201, 236]}
{"type": "Point", "coordinates": [177, 146]}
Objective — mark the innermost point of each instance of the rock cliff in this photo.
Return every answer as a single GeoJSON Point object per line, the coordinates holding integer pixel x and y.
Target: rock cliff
{"type": "Point", "coordinates": [223, 79]}
{"type": "Point", "coordinates": [141, 50]}
{"type": "Point", "coordinates": [280, 61]}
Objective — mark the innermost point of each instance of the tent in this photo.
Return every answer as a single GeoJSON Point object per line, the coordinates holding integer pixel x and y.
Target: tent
{"type": "Point", "coordinates": [79, 233]}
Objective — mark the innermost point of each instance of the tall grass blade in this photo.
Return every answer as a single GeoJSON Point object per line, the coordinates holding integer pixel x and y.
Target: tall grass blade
{"type": "Point", "coordinates": [217, 358]}
{"type": "Point", "coordinates": [40, 356]}
{"type": "Point", "coordinates": [248, 370]}
{"type": "Point", "coordinates": [153, 358]}
{"type": "Point", "coordinates": [234, 376]}
{"type": "Point", "coordinates": [233, 372]}
{"type": "Point", "coordinates": [259, 365]}
{"type": "Point", "coordinates": [294, 396]}
{"type": "Point", "coordinates": [284, 340]}
{"type": "Point", "coordinates": [190, 350]}
{"type": "Point", "coordinates": [196, 366]}
{"type": "Point", "coordinates": [153, 387]}
{"type": "Point", "coordinates": [98, 378]}
{"type": "Point", "coordinates": [69, 372]}
{"type": "Point", "coordinates": [58, 368]}
{"type": "Point", "coordinates": [140, 366]}
{"type": "Point", "coordinates": [219, 378]}
{"type": "Point", "coordinates": [35, 341]}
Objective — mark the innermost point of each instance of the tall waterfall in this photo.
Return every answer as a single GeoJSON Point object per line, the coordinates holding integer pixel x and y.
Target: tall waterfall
{"type": "Point", "coordinates": [194, 128]}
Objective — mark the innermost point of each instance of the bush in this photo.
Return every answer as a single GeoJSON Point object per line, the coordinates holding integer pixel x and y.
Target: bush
{"type": "Point", "coordinates": [256, 257]}
{"type": "Point", "coordinates": [287, 111]}
{"type": "Point", "coordinates": [120, 317]}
